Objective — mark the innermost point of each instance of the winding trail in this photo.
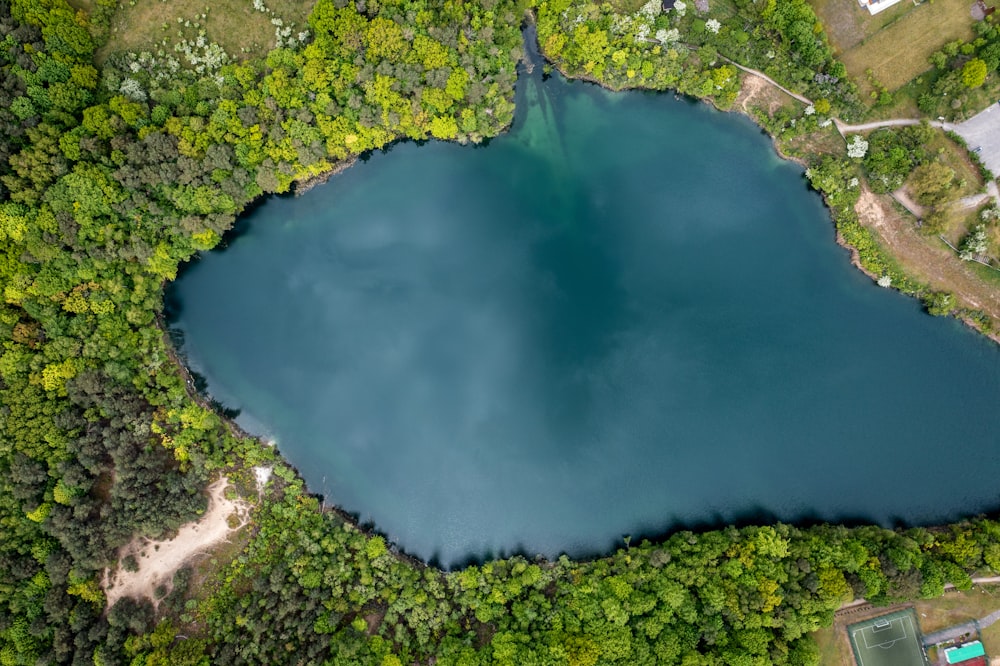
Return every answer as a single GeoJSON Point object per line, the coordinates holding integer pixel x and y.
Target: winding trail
{"type": "Point", "coordinates": [841, 125]}
{"type": "Point", "coordinates": [845, 128]}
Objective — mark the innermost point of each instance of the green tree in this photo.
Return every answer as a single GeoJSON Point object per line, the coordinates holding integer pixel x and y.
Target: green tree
{"type": "Point", "coordinates": [974, 73]}
{"type": "Point", "coordinates": [931, 183]}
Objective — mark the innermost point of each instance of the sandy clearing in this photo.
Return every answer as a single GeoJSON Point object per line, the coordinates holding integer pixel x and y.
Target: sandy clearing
{"type": "Point", "coordinates": [158, 560]}
{"type": "Point", "coordinates": [752, 89]}
{"type": "Point", "coordinates": [263, 474]}
{"type": "Point", "coordinates": [768, 79]}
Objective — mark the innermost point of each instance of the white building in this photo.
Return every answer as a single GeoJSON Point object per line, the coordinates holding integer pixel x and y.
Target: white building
{"type": "Point", "coordinates": [876, 6]}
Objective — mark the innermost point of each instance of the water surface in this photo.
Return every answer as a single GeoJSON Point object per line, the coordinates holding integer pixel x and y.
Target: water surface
{"type": "Point", "coordinates": [624, 316]}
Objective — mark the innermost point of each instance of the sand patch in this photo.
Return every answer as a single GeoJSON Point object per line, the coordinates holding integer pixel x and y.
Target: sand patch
{"type": "Point", "coordinates": [159, 560]}
{"type": "Point", "coordinates": [755, 91]}
{"type": "Point", "coordinates": [869, 209]}
{"type": "Point", "coordinates": [263, 475]}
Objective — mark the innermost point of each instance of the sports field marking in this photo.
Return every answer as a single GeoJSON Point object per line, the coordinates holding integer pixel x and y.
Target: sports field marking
{"type": "Point", "coordinates": [883, 633]}
{"type": "Point", "coordinates": [889, 640]}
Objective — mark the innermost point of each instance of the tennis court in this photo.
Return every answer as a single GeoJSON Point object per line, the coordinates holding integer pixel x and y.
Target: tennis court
{"type": "Point", "coordinates": [888, 640]}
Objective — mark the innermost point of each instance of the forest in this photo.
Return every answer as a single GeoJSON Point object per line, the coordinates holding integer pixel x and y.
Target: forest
{"type": "Point", "coordinates": [112, 176]}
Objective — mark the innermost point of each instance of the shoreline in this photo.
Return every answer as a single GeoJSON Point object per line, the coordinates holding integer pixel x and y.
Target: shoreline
{"type": "Point", "coordinates": [201, 399]}
{"type": "Point", "coordinates": [300, 187]}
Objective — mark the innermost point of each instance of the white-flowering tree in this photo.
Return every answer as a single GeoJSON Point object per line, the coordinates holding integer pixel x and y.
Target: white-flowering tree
{"type": "Point", "coordinates": [621, 24]}
{"type": "Point", "coordinates": [713, 26]}
{"type": "Point", "coordinates": [132, 89]}
{"type": "Point", "coordinates": [990, 214]}
{"type": "Point", "coordinates": [644, 21]}
{"type": "Point", "coordinates": [975, 244]}
{"type": "Point", "coordinates": [680, 8]}
{"type": "Point", "coordinates": [651, 10]}
{"type": "Point", "coordinates": [857, 148]}
{"type": "Point", "coordinates": [885, 281]}
{"type": "Point", "coordinates": [668, 36]}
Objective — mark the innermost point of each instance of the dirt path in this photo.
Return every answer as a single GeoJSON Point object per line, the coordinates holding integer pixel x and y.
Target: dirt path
{"type": "Point", "coordinates": [981, 580]}
{"type": "Point", "coordinates": [158, 560]}
{"type": "Point", "coordinates": [925, 259]}
{"type": "Point", "coordinates": [993, 191]}
{"type": "Point", "coordinates": [762, 75]}
{"type": "Point", "coordinates": [975, 200]}
{"type": "Point", "coordinates": [903, 197]}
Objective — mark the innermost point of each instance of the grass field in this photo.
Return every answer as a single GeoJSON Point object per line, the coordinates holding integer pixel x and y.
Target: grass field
{"type": "Point", "coordinates": [899, 52]}
{"type": "Point", "coordinates": [889, 640]}
{"type": "Point", "coordinates": [958, 607]}
{"type": "Point", "coordinates": [847, 24]}
{"type": "Point", "coordinates": [895, 44]}
{"type": "Point", "coordinates": [233, 24]}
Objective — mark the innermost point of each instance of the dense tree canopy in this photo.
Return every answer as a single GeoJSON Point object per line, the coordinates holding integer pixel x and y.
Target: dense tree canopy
{"type": "Point", "coordinates": [111, 177]}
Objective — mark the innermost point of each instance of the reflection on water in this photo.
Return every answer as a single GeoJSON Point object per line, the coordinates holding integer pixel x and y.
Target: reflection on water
{"type": "Point", "coordinates": [624, 316]}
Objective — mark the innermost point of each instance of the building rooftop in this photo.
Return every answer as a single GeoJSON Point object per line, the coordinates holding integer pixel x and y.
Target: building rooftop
{"type": "Point", "coordinates": [965, 654]}
{"type": "Point", "coordinates": [876, 6]}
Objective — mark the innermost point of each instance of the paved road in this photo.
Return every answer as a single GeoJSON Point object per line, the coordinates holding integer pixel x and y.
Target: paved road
{"type": "Point", "coordinates": [950, 634]}
{"type": "Point", "coordinates": [983, 131]}
{"type": "Point", "coordinates": [971, 627]}
{"type": "Point", "coordinates": [898, 122]}
{"type": "Point", "coordinates": [976, 200]}
{"type": "Point", "coordinates": [990, 619]}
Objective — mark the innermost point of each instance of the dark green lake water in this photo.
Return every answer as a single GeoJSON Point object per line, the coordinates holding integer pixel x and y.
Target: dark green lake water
{"type": "Point", "coordinates": [625, 316]}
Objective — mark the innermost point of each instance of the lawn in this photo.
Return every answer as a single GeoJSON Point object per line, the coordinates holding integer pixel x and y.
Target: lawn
{"type": "Point", "coordinates": [833, 651]}
{"type": "Point", "coordinates": [821, 142]}
{"type": "Point", "coordinates": [896, 43]}
{"type": "Point", "coordinates": [847, 24]}
{"type": "Point", "coordinates": [899, 52]}
{"type": "Point", "coordinates": [233, 24]}
{"type": "Point", "coordinates": [958, 607]}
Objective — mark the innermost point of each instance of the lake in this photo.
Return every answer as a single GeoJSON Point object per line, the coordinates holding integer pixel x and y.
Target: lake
{"type": "Point", "coordinates": [623, 317]}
